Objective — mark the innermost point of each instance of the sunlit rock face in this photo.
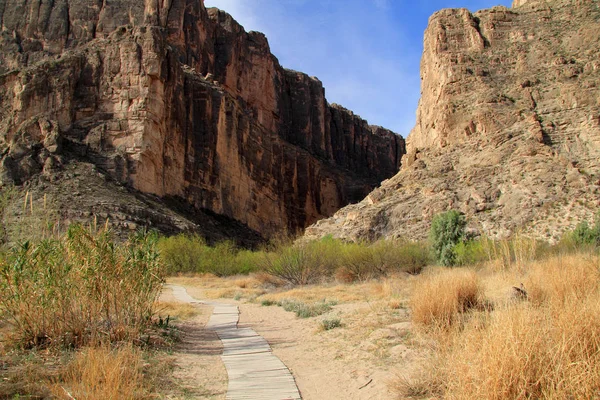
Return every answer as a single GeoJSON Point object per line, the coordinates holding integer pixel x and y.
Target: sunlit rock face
{"type": "Point", "coordinates": [507, 131]}
{"type": "Point", "coordinates": [177, 100]}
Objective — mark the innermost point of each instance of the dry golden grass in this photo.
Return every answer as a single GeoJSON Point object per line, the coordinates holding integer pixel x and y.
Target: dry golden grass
{"type": "Point", "coordinates": [103, 373]}
{"type": "Point", "coordinates": [176, 310]}
{"type": "Point", "coordinates": [393, 289]}
{"type": "Point", "coordinates": [442, 295]}
{"type": "Point", "coordinates": [546, 347]}
{"type": "Point", "coordinates": [209, 286]}
{"type": "Point", "coordinates": [529, 352]}
{"type": "Point", "coordinates": [562, 278]}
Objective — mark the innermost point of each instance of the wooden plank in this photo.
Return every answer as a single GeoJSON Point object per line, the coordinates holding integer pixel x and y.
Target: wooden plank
{"type": "Point", "coordinates": [236, 333]}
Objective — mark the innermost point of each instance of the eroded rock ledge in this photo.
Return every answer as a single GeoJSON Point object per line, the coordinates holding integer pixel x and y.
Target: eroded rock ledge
{"type": "Point", "coordinates": [508, 127]}
{"type": "Point", "coordinates": [179, 101]}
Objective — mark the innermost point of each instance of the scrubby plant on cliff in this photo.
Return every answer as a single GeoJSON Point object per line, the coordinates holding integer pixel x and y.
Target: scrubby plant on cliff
{"type": "Point", "coordinates": [447, 231]}
{"type": "Point", "coordinates": [79, 289]}
{"type": "Point", "coordinates": [585, 235]}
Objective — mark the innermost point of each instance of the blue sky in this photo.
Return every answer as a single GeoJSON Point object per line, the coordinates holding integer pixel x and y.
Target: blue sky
{"type": "Point", "coordinates": [366, 52]}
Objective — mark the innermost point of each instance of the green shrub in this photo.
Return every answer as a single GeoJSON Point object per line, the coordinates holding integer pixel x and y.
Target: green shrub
{"type": "Point", "coordinates": [584, 235]}
{"type": "Point", "coordinates": [330, 323]}
{"type": "Point", "coordinates": [304, 310]}
{"type": "Point", "coordinates": [292, 265]}
{"type": "Point", "coordinates": [405, 256]}
{"type": "Point", "coordinates": [183, 253]}
{"type": "Point", "coordinates": [472, 252]}
{"type": "Point", "coordinates": [357, 262]}
{"type": "Point", "coordinates": [80, 289]}
{"type": "Point", "coordinates": [190, 254]}
{"type": "Point", "coordinates": [447, 230]}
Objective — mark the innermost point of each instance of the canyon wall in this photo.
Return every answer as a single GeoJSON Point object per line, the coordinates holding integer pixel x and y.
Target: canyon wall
{"type": "Point", "coordinates": [178, 101]}
{"type": "Point", "coordinates": [507, 131]}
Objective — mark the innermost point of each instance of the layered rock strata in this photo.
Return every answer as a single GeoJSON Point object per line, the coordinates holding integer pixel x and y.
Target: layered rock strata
{"type": "Point", "coordinates": [178, 101]}
{"type": "Point", "coordinates": [508, 127]}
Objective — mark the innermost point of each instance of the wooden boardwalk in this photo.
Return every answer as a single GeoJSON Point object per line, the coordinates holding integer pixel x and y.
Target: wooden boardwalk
{"type": "Point", "coordinates": [255, 373]}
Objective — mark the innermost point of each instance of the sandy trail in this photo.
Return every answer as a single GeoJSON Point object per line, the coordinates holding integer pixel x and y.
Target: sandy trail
{"type": "Point", "coordinates": [354, 362]}
{"type": "Point", "coordinates": [253, 371]}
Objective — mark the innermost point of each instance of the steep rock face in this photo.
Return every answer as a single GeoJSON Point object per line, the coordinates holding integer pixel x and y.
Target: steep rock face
{"type": "Point", "coordinates": [508, 127]}
{"type": "Point", "coordinates": [179, 101]}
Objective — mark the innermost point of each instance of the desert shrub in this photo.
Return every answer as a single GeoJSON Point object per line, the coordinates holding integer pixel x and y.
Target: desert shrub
{"type": "Point", "coordinates": [361, 261]}
{"type": "Point", "coordinates": [293, 265]}
{"type": "Point", "coordinates": [586, 235]}
{"type": "Point", "coordinates": [330, 323]}
{"type": "Point", "coordinates": [357, 263]}
{"type": "Point", "coordinates": [183, 253]}
{"type": "Point", "coordinates": [306, 310]}
{"type": "Point", "coordinates": [441, 297]}
{"type": "Point", "coordinates": [81, 288]}
{"type": "Point", "coordinates": [447, 230]}
{"type": "Point", "coordinates": [405, 256]}
{"type": "Point", "coordinates": [471, 252]}
{"type": "Point", "coordinates": [190, 254]}
{"type": "Point", "coordinates": [305, 263]}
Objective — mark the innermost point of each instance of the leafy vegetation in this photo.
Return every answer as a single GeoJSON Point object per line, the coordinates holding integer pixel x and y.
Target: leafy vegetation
{"type": "Point", "coordinates": [79, 289]}
{"type": "Point", "coordinates": [190, 254]}
{"type": "Point", "coordinates": [330, 323]}
{"type": "Point", "coordinates": [306, 310]}
{"type": "Point", "coordinates": [447, 231]}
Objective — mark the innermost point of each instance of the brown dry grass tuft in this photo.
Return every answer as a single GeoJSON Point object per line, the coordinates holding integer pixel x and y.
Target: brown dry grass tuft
{"type": "Point", "coordinates": [442, 295]}
{"type": "Point", "coordinates": [529, 352]}
{"type": "Point", "coordinates": [560, 279]}
{"type": "Point", "coordinates": [176, 310]}
{"type": "Point", "coordinates": [103, 373]}
{"type": "Point", "coordinates": [546, 347]}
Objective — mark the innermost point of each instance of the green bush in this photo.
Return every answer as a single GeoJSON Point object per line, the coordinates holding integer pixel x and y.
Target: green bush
{"type": "Point", "coordinates": [404, 256]}
{"type": "Point", "coordinates": [472, 252]}
{"type": "Point", "coordinates": [304, 310]}
{"type": "Point", "coordinates": [447, 231]}
{"type": "Point", "coordinates": [331, 323]}
{"type": "Point", "coordinates": [293, 265]}
{"type": "Point", "coordinates": [190, 254]}
{"type": "Point", "coordinates": [584, 235]}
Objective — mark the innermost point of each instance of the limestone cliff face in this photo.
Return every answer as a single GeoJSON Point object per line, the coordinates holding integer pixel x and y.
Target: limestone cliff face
{"type": "Point", "coordinates": [508, 126]}
{"type": "Point", "coordinates": [179, 101]}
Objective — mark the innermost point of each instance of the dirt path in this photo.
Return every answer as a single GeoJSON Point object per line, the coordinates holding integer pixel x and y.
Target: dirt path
{"type": "Point", "coordinates": [254, 371]}
{"type": "Point", "coordinates": [197, 357]}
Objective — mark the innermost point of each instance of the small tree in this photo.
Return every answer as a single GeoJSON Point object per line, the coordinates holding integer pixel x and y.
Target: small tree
{"type": "Point", "coordinates": [447, 230]}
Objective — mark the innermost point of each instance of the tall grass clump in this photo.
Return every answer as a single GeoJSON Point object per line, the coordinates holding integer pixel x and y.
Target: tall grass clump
{"type": "Point", "coordinates": [526, 352]}
{"type": "Point", "coordinates": [545, 345]}
{"type": "Point", "coordinates": [441, 297]}
{"type": "Point", "coordinates": [79, 289]}
{"type": "Point", "coordinates": [104, 373]}
{"type": "Point", "coordinates": [447, 231]}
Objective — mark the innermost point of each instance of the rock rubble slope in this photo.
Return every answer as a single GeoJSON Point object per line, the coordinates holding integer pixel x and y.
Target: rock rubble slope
{"type": "Point", "coordinates": [508, 127]}
{"type": "Point", "coordinates": [178, 101]}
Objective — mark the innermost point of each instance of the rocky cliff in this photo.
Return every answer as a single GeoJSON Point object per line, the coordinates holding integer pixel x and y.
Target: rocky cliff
{"type": "Point", "coordinates": [508, 127]}
{"type": "Point", "coordinates": [178, 101]}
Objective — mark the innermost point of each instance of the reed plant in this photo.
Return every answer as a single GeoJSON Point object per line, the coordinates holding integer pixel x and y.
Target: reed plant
{"type": "Point", "coordinates": [79, 289]}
